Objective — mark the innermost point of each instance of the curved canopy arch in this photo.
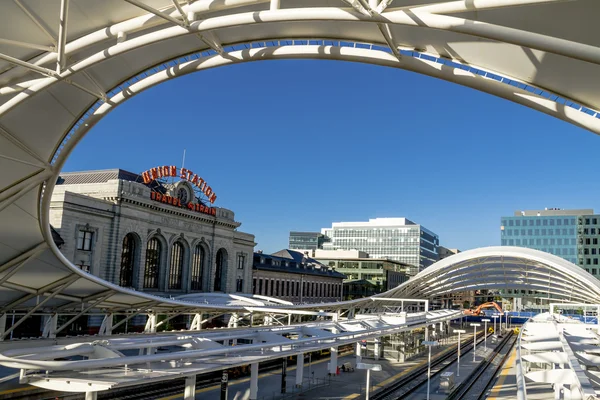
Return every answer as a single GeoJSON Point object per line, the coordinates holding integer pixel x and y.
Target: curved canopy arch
{"type": "Point", "coordinates": [503, 268]}
{"type": "Point", "coordinates": [69, 63]}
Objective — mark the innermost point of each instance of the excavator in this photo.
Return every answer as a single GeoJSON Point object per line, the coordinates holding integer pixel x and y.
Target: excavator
{"type": "Point", "coordinates": [475, 312]}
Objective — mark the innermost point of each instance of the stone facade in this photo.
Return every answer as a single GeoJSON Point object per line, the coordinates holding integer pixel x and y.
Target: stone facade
{"type": "Point", "coordinates": [94, 219]}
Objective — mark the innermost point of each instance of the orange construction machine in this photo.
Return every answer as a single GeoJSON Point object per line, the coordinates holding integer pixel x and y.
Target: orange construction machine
{"type": "Point", "coordinates": [477, 311]}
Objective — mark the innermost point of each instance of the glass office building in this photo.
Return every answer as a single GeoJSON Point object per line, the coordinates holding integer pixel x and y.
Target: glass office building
{"type": "Point", "coordinates": [397, 239]}
{"type": "Point", "coordinates": [306, 240]}
{"type": "Point", "coordinates": [553, 231]}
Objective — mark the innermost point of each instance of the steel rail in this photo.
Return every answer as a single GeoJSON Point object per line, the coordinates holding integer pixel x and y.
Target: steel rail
{"type": "Point", "coordinates": [467, 385]}
{"type": "Point", "coordinates": [411, 382]}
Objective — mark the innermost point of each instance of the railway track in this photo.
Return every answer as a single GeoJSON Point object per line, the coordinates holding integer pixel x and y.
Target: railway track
{"type": "Point", "coordinates": [480, 380]}
{"type": "Point", "coordinates": [408, 384]}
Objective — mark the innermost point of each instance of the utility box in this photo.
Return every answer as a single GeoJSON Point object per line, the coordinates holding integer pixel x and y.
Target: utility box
{"type": "Point", "coordinates": [446, 382]}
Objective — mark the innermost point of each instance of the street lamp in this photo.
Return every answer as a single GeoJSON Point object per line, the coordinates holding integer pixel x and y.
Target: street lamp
{"type": "Point", "coordinates": [459, 331]}
{"type": "Point", "coordinates": [474, 338]}
{"type": "Point", "coordinates": [429, 343]}
{"type": "Point", "coordinates": [485, 321]}
{"type": "Point", "coordinates": [368, 367]}
{"type": "Point", "coordinates": [495, 316]}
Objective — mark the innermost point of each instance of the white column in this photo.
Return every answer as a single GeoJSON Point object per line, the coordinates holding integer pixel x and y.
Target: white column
{"type": "Point", "coordinates": [299, 369]}
{"type": "Point", "coordinates": [150, 324]}
{"type": "Point", "coordinates": [333, 361]}
{"type": "Point", "coordinates": [106, 326]}
{"type": "Point", "coordinates": [91, 395]}
{"type": "Point", "coordinates": [358, 352]}
{"type": "Point", "coordinates": [376, 348]}
{"type": "Point", "coordinates": [190, 388]}
{"type": "Point", "coordinates": [50, 326]}
{"type": "Point", "coordinates": [557, 388]}
{"type": "Point", "coordinates": [253, 381]}
{"type": "Point", "coordinates": [150, 328]}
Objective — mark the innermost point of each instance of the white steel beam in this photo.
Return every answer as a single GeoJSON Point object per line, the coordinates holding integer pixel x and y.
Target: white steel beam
{"type": "Point", "coordinates": [387, 35]}
{"type": "Point", "coordinates": [62, 35]}
{"type": "Point", "coordinates": [211, 39]}
{"type": "Point", "coordinates": [115, 326]}
{"type": "Point", "coordinates": [383, 5]}
{"type": "Point", "coordinates": [29, 66]}
{"type": "Point", "coordinates": [184, 17]}
{"type": "Point", "coordinates": [478, 29]}
{"type": "Point", "coordinates": [38, 306]}
{"type": "Point", "coordinates": [156, 12]}
{"type": "Point", "coordinates": [36, 21]}
{"type": "Point", "coordinates": [359, 6]}
{"type": "Point", "coordinates": [86, 309]}
{"type": "Point", "coordinates": [459, 6]}
{"type": "Point", "coordinates": [26, 45]}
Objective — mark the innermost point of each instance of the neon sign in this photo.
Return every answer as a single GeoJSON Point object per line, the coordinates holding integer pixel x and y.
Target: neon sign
{"type": "Point", "coordinates": [183, 173]}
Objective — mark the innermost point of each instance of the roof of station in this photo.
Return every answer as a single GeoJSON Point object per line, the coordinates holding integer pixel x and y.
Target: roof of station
{"type": "Point", "coordinates": [64, 65]}
{"type": "Point", "coordinates": [516, 270]}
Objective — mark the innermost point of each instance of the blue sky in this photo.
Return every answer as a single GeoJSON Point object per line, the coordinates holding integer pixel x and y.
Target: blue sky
{"type": "Point", "coordinates": [297, 145]}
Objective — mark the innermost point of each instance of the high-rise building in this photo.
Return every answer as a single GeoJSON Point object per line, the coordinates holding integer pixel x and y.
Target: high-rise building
{"type": "Point", "coordinates": [553, 230]}
{"type": "Point", "coordinates": [306, 240]}
{"type": "Point", "coordinates": [397, 239]}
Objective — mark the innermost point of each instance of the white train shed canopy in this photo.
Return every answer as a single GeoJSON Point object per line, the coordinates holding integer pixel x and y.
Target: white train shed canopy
{"type": "Point", "coordinates": [64, 65]}
{"type": "Point", "coordinates": [517, 271]}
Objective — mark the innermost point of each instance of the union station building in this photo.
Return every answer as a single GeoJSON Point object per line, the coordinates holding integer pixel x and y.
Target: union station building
{"type": "Point", "coordinates": [155, 232]}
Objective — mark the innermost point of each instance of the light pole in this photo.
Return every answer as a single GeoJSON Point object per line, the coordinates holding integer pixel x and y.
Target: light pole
{"type": "Point", "coordinates": [459, 331]}
{"type": "Point", "coordinates": [369, 368]}
{"type": "Point", "coordinates": [474, 338]}
{"type": "Point", "coordinates": [495, 316]}
{"type": "Point", "coordinates": [429, 343]}
{"type": "Point", "coordinates": [485, 321]}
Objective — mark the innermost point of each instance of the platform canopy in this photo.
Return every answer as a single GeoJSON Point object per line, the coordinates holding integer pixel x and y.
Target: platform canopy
{"type": "Point", "coordinates": [517, 271]}
{"type": "Point", "coordinates": [65, 64]}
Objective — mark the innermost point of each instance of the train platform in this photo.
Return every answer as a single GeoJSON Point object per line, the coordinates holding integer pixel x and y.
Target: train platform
{"type": "Point", "coordinates": [505, 387]}
{"type": "Point", "coordinates": [467, 366]}
{"type": "Point", "coordinates": [346, 385]}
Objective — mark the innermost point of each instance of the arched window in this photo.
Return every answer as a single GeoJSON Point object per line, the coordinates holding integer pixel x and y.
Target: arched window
{"type": "Point", "coordinates": [220, 269]}
{"type": "Point", "coordinates": [127, 260]}
{"type": "Point", "coordinates": [197, 267]}
{"type": "Point", "coordinates": [176, 267]}
{"type": "Point", "coordinates": [153, 254]}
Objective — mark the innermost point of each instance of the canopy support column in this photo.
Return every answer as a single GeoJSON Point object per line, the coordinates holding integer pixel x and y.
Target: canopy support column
{"type": "Point", "coordinates": [190, 388]}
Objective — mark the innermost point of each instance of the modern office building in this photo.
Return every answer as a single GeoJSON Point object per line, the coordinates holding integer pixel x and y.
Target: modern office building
{"type": "Point", "coordinates": [553, 230]}
{"type": "Point", "coordinates": [397, 239]}
{"type": "Point", "coordinates": [588, 247]}
{"type": "Point", "coordinates": [293, 276]}
{"type": "Point", "coordinates": [357, 266]}
{"type": "Point", "coordinates": [306, 241]}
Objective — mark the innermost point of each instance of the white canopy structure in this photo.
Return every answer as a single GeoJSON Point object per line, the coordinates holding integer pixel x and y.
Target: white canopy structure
{"type": "Point", "coordinates": [516, 270]}
{"type": "Point", "coordinates": [65, 64]}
